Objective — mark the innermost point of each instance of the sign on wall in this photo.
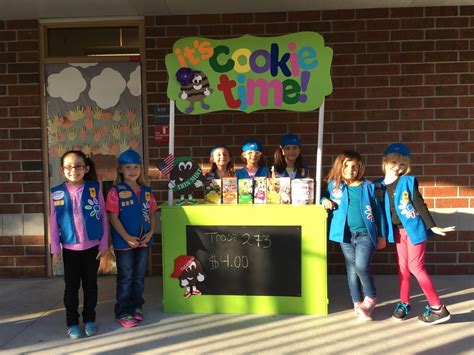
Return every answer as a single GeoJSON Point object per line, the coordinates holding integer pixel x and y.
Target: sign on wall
{"type": "Point", "coordinates": [290, 72]}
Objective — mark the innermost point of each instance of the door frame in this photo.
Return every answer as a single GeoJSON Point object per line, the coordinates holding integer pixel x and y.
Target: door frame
{"type": "Point", "coordinates": [44, 25]}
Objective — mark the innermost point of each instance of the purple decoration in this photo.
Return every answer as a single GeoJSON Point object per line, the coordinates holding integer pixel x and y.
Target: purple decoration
{"type": "Point", "coordinates": [185, 76]}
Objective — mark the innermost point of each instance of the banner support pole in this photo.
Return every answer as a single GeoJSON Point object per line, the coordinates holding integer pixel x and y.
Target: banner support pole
{"type": "Point", "coordinates": [319, 153]}
{"type": "Point", "coordinates": [171, 146]}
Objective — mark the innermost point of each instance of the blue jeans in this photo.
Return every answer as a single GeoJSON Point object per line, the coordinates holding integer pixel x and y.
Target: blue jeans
{"type": "Point", "coordinates": [358, 256]}
{"type": "Point", "coordinates": [131, 269]}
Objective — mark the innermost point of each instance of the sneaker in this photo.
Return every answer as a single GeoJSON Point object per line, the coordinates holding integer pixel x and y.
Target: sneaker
{"type": "Point", "coordinates": [127, 321]}
{"type": "Point", "coordinates": [187, 294]}
{"type": "Point", "coordinates": [432, 316]}
{"type": "Point", "coordinates": [369, 304]}
{"type": "Point", "coordinates": [90, 329]}
{"type": "Point", "coordinates": [401, 311]}
{"type": "Point", "coordinates": [75, 332]}
{"type": "Point", "coordinates": [196, 292]}
{"type": "Point", "coordinates": [180, 202]}
{"type": "Point", "coordinates": [356, 308]}
{"type": "Point", "coordinates": [138, 314]}
{"type": "Point", "coordinates": [192, 201]}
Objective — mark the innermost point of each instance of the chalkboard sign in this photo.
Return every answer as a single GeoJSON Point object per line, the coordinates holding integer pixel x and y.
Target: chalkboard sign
{"type": "Point", "coordinates": [248, 260]}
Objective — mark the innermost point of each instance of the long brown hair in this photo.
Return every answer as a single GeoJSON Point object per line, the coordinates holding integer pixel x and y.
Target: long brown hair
{"type": "Point", "coordinates": [280, 162]}
{"type": "Point", "coordinates": [336, 171]}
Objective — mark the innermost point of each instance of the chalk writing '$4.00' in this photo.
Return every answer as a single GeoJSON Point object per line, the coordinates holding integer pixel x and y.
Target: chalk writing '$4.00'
{"type": "Point", "coordinates": [227, 261]}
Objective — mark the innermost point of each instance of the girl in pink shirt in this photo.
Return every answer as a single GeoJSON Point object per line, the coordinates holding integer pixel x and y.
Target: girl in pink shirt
{"type": "Point", "coordinates": [78, 222]}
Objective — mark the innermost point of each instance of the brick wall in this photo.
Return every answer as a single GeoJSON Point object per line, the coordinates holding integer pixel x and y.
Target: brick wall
{"type": "Point", "coordinates": [22, 253]}
{"type": "Point", "coordinates": [398, 74]}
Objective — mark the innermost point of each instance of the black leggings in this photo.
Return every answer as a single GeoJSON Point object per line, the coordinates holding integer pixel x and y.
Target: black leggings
{"type": "Point", "coordinates": [80, 265]}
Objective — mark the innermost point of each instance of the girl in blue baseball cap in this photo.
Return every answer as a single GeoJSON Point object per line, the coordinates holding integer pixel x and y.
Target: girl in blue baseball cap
{"type": "Point", "coordinates": [288, 159]}
{"type": "Point", "coordinates": [131, 206]}
{"type": "Point", "coordinates": [252, 152]}
{"type": "Point", "coordinates": [409, 225]}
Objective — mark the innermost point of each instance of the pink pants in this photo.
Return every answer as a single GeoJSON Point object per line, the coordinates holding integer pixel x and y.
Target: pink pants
{"type": "Point", "coordinates": [411, 260]}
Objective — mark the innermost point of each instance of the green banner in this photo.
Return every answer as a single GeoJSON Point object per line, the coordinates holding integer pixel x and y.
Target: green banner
{"type": "Point", "coordinates": [248, 73]}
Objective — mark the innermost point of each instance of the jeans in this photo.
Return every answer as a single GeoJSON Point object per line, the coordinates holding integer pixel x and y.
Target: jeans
{"type": "Point", "coordinates": [80, 266]}
{"type": "Point", "coordinates": [358, 256]}
{"type": "Point", "coordinates": [131, 268]}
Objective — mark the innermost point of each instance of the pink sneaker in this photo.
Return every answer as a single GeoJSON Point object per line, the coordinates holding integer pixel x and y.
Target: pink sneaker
{"type": "Point", "coordinates": [127, 321]}
{"type": "Point", "coordinates": [366, 308]}
{"type": "Point", "coordinates": [356, 308]}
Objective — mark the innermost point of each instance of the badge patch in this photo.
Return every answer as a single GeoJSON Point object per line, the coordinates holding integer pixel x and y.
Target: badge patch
{"type": "Point", "coordinates": [125, 194]}
{"type": "Point", "coordinates": [57, 195]}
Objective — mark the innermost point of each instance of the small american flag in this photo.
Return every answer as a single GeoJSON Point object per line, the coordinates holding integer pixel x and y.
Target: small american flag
{"type": "Point", "coordinates": [166, 165]}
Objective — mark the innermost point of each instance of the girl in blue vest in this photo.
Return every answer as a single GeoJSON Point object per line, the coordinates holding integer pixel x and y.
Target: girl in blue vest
{"type": "Point", "coordinates": [78, 221]}
{"type": "Point", "coordinates": [131, 206]}
{"type": "Point", "coordinates": [221, 163]}
{"type": "Point", "coordinates": [356, 223]}
{"type": "Point", "coordinates": [288, 159]}
{"type": "Point", "coordinates": [409, 223]}
{"type": "Point", "coordinates": [251, 155]}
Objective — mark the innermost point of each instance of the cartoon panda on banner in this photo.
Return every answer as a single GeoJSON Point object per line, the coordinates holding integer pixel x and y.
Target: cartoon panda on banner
{"type": "Point", "coordinates": [185, 177]}
{"type": "Point", "coordinates": [194, 87]}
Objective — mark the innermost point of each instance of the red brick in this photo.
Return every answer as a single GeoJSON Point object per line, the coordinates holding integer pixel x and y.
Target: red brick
{"type": "Point", "coordinates": [271, 17]}
{"type": "Point", "coordinates": [406, 80]}
{"type": "Point", "coordinates": [451, 113]}
{"type": "Point", "coordinates": [338, 15]}
{"type": "Point", "coordinates": [29, 240]}
{"type": "Point", "coordinates": [10, 250]}
{"type": "Point", "coordinates": [35, 250]}
{"type": "Point", "coordinates": [319, 26]}
{"type": "Point", "coordinates": [254, 29]}
{"type": "Point", "coordinates": [418, 91]}
{"type": "Point", "coordinates": [441, 102]}
{"type": "Point", "coordinates": [348, 25]}
{"type": "Point", "coordinates": [30, 261]}
{"type": "Point", "coordinates": [441, 79]}
{"type": "Point", "coordinates": [441, 56]}
{"type": "Point", "coordinates": [452, 45]}
{"type": "Point", "coordinates": [406, 103]}
{"type": "Point", "coordinates": [383, 47]}
{"type": "Point", "coordinates": [440, 191]}
{"type": "Point", "coordinates": [466, 235]}
{"type": "Point", "coordinates": [406, 12]}
{"type": "Point", "coordinates": [417, 46]}
{"type": "Point", "coordinates": [452, 203]}
{"type": "Point", "coordinates": [424, 23]}
{"type": "Point", "coordinates": [369, 104]}
{"type": "Point", "coordinates": [405, 34]}
{"type": "Point", "coordinates": [424, 68]}
{"type": "Point", "coordinates": [405, 125]}
{"type": "Point", "coordinates": [383, 24]}
{"type": "Point", "coordinates": [441, 258]}
{"type": "Point", "coordinates": [416, 114]}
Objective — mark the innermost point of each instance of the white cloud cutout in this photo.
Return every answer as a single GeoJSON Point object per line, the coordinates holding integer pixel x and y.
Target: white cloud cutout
{"type": "Point", "coordinates": [83, 65]}
{"type": "Point", "coordinates": [135, 83]}
{"type": "Point", "coordinates": [67, 84]}
{"type": "Point", "coordinates": [106, 88]}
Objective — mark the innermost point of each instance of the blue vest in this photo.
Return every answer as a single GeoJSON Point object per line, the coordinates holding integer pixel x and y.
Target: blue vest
{"type": "Point", "coordinates": [409, 216]}
{"type": "Point", "coordinates": [133, 214]}
{"type": "Point", "coordinates": [90, 212]}
{"type": "Point", "coordinates": [369, 208]}
{"type": "Point", "coordinates": [300, 173]}
{"type": "Point", "coordinates": [242, 173]}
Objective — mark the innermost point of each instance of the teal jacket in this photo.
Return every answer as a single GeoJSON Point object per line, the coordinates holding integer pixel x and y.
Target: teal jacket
{"type": "Point", "coordinates": [370, 209]}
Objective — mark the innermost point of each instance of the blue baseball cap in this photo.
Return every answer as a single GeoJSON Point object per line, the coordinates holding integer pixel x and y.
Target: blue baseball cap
{"type": "Point", "coordinates": [252, 144]}
{"type": "Point", "coordinates": [398, 148]}
{"type": "Point", "coordinates": [130, 157]}
{"type": "Point", "coordinates": [290, 139]}
{"type": "Point", "coordinates": [217, 146]}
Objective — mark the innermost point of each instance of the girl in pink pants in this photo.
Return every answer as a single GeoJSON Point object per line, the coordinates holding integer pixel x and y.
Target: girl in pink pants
{"type": "Point", "coordinates": [409, 225]}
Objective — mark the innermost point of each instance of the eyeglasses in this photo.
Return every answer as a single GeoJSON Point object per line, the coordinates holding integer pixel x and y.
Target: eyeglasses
{"type": "Point", "coordinates": [76, 167]}
{"type": "Point", "coordinates": [253, 152]}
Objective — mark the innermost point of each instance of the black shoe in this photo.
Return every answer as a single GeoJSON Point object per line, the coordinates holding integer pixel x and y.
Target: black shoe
{"type": "Point", "coordinates": [432, 316]}
{"type": "Point", "coordinates": [401, 311]}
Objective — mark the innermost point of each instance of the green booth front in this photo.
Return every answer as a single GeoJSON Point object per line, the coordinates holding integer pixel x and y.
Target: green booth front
{"type": "Point", "coordinates": [262, 259]}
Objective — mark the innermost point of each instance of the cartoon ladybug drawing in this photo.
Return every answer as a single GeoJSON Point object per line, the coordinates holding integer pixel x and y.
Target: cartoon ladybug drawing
{"type": "Point", "coordinates": [189, 271]}
{"type": "Point", "coordinates": [185, 177]}
{"type": "Point", "coordinates": [194, 87]}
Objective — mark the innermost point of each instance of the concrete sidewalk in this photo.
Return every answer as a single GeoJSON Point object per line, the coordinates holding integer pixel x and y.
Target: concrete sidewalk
{"type": "Point", "coordinates": [32, 319]}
